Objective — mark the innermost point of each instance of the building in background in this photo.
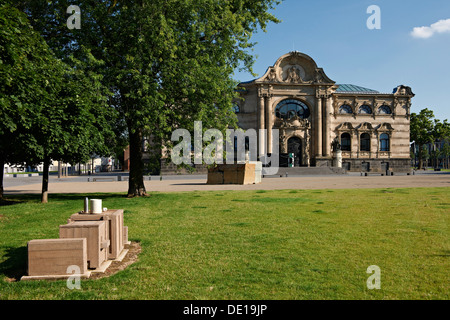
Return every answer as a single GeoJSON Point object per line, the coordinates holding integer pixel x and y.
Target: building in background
{"type": "Point", "coordinates": [314, 116]}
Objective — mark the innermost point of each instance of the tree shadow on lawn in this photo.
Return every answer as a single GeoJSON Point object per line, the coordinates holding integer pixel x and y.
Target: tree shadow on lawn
{"type": "Point", "coordinates": [15, 199]}
{"type": "Point", "coordinates": [15, 265]}
{"type": "Point", "coordinates": [9, 202]}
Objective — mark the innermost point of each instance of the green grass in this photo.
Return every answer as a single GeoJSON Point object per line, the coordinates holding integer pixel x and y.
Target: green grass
{"type": "Point", "coordinates": [287, 244]}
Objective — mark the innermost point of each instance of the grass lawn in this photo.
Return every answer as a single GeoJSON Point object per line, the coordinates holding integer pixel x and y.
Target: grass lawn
{"type": "Point", "coordinates": [287, 244]}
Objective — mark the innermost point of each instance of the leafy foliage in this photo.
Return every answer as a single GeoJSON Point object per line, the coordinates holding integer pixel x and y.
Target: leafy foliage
{"type": "Point", "coordinates": [168, 62]}
{"type": "Point", "coordinates": [51, 110]}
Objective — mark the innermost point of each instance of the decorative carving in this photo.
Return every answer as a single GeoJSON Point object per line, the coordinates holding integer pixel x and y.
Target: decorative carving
{"type": "Point", "coordinates": [366, 126]}
{"type": "Point", "coordinates": [272, 76]}
{"type": "Point", "coordinates": [283, 141]}
{"type": "Point", "coordinates": [318, 76]}
{"type": "Point", "coordinates": [346, 126]}
{"type": "Point", "coordinates": [335, 145]}
{"type": "Point", "coordinates": [403, 91]}
{"type": "Point", "coordinates": [295, 123]}
{"type": "Point", "coordinates": [293, 75]}
{"type": "Point", "coordinates": [385, 127]}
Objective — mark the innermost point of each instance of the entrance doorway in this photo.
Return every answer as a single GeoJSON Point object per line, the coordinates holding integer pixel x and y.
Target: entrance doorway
{"type": "Point", "coordinates": [294, 145]}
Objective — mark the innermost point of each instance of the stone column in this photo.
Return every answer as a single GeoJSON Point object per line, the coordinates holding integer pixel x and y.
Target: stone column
{"type": "Point", "coordinates": [318, 130]}
{"type": "Point", "coordinates": [261, 125]}
{"type": "Point", "coordinates": [326, 151]}
{"type": "Point", "coordinates": [269, 118]}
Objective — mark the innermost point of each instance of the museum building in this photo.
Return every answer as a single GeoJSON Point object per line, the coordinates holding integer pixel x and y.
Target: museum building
{"type": "Point", "coordinates": [316, 117]}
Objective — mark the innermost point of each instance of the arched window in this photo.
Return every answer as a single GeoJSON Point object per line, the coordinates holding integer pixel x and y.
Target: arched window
{"type": "Point", "coordinates": [365, 109]}
{"type": "Point", "coordinates": [290, 108]}
{"type": "Point", "coordinates": [345, 109]}
{"type": "Point", "coordinates": [364, 142]}
{"type": "Point", "coordinates": [247, 143]}
{"type": "Point", "coordinates": [346, 142]}
{"type": "Point", "coordinates": [384, 142]}
{"type": "Point", "coordinates": [236, 108]}
{"type": "Point", "coordinates": [384, 110]}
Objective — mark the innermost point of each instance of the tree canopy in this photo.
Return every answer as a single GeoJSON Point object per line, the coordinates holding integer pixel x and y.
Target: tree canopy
{"type": "Point", "coordinates": [51, 110]}
{"type": "Point", "coordinates": [425, 129]}
{"type": "Point", "coordinates": [168, 63]}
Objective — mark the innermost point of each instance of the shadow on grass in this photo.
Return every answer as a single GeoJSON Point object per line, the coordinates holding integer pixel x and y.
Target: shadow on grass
{"type": "Point", "coordinates": [15, 199]}
{"type": "Point", "coordinates": [9, 202]}
{"type": "Point", "coordinates": [15, 264]}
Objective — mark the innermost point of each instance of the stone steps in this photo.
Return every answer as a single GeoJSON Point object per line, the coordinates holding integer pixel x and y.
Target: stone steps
{"type": "Point", "coordinates": [312, 171]}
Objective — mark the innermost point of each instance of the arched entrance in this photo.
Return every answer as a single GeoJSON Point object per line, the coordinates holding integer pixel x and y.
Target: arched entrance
{"type": "Point", "coordinates": [294, 145]}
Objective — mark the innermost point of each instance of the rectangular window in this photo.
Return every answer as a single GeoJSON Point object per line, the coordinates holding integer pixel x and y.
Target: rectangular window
{"type": "Point", "coordinates": [384, 145]}
{"type": "Point", "coordinates": [384, 142]}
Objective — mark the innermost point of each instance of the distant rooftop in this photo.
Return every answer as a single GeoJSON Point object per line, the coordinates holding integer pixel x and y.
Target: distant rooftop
{"type": "Point", "coordinates": [352, 88]}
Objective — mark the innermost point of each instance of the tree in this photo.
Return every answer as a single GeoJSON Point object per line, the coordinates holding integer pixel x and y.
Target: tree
{"type": "Point", "coordinates": [26, 74]}
{"type": "Point", "coordinates": [168, 62]}
{"type": "Point", "coordinates": [446, 153]}
{"type": "Point", "coordinates": [76, 123]}
{"type": "Point", "coordinates": [421, 126]}
{"type": "Point", "coordinates": [51, 110]}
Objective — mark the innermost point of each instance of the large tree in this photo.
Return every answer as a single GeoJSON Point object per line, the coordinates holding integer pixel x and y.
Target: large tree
{"type": "Point", "coordinates": [425, 129]}
{"type": "Point", "coordinates": [168, 62]}
{"type": "Point", "coordinates": [77, 122]}
{"type": "Point", "coordinates": [49, 110]}
{"type": "Point", "coordinates": [27, 75]}
{"type": "Point", "coordinates": [422, 125]}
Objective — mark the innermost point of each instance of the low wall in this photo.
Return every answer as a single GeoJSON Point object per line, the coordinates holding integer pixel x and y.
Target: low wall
{"type": "Point", "coordinates": [233, 174]}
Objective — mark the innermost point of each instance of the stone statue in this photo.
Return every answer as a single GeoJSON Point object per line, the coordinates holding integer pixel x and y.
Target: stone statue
{"type": "Point", "coordinates": [293, 75]}
{"type": "Point", "coordinates": [335, 145]}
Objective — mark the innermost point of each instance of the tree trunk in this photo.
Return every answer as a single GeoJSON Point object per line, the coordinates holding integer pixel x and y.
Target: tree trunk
{"type": "Point", "coordinates": [2, 166]}
{"type": "Point", "coordinates": [136, 187]}
{"type": "Point", "coordinates": [420, 157]}
{"type": "Point", "coordinates": [44, 196]}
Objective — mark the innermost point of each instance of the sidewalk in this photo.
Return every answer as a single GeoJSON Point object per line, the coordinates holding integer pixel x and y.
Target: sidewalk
{"type": "Point", "coordinates": [174, 184]}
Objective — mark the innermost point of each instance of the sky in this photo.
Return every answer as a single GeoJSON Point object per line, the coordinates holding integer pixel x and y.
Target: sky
{"type": "Point", "coordinates": [411, 47]}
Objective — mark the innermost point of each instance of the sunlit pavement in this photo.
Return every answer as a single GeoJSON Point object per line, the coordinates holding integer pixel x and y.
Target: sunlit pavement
{"type": "Point", "coordinates": [108, 183]}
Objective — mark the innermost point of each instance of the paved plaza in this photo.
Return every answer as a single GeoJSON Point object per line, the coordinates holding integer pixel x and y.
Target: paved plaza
{"type": "Point", "coordinates": [109, 183]}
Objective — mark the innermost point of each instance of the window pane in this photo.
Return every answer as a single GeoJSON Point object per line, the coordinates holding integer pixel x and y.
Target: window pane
{"type": "Point", "coordinates": [290, 108]}
{"type": "Point", "coordinates": [364, 109]}
{"type": "Point", "coordinates": [345, 109]}
{"type": "Point", "coordinates": [365, 142]}
{"type": "Point", "coordinates": [384, 142]}
{"type": "Point", "coordinates": [345, 142]}
{"type": "Point", "coordinates": [384, 110]}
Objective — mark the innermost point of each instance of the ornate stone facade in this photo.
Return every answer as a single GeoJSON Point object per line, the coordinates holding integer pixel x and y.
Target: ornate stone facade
{"type": "Point", "coordinates": [311, 111]}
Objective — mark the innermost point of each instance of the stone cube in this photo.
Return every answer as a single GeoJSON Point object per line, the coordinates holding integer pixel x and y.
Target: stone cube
{"type": "Point", "coordinates": [96, 239]}
{"type": "Point", "coordinates": [52, 257]}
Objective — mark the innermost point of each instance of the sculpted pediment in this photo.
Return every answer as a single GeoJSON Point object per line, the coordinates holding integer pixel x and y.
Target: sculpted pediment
{"type": "Point", "coordinates": [366, 126]}
{"type": "Point", "coordinates": [346, 126]}
{"type": "Point", "coordinates": [295, 122]}
{"type": "Point", "coordinates": [403, 91]}
{"type": "Point", "coordinates": [385, 127]}
{"type": "Point", "coordinates": [297, 68]}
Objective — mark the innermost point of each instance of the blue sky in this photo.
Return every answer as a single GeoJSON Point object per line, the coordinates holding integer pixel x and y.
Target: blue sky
{"type": "Point", "coordinates": [335, 34]}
